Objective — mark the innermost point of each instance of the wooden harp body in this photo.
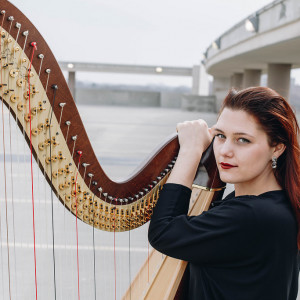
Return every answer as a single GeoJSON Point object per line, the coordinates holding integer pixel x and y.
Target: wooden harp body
{"type": "Point", "coordinates": [37, 96]}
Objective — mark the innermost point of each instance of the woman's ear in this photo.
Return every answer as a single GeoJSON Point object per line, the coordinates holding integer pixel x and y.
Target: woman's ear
{"type": "Point", "coordinates": [279, 149]}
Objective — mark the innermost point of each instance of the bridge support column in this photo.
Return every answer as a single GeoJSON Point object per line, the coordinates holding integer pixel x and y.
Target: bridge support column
{"type": "Point", "coordinates": [251, 78]}
{"type": "Point", "coordinates": [237, 80]}
{"type": "Point", "coordinates": [196, 80]}
{"type": "Point", "coordinates": [221, 87]}
{"type": "Point", "coordinates": [200, 81]}
{"type": "Point", "coordinates": [72, 83]}
{"type": "Point", "coordinates": [279, 78]}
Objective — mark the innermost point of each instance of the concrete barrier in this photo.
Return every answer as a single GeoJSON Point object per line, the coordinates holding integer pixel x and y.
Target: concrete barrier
{"type": "Point", "coordinates": [136, 98]}
{"type": "Point", "coordinates": [198, 103]}
{"type": "Point", "coordinates": [117, 97]}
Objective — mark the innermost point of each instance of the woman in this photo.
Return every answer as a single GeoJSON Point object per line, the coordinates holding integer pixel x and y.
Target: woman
{"type": "Point", "coordinates": [245, 248]}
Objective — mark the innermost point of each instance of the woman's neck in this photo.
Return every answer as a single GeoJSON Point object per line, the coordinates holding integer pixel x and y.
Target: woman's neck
{"type": "Point", "coordinates": [257, 187]}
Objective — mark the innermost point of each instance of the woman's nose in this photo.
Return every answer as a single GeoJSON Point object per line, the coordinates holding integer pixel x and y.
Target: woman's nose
{"type": "Point", "coordinates": [226, 149]}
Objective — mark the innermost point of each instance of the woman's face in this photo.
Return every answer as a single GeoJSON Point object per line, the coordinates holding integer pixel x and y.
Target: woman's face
{"type": "Point", "coordinates": [241, 148]}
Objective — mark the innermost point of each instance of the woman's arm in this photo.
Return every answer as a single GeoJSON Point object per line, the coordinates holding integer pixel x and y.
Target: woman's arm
{"type": "Point", "coordinates": [194, 137]}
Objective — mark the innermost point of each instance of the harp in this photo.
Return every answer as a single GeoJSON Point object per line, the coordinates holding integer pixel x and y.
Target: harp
{"type": "Point", "coordinates": [36, 95]}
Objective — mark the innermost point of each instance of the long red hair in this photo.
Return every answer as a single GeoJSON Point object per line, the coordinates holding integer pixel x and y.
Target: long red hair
{"type": "Point", "coordinates": [278, 120]}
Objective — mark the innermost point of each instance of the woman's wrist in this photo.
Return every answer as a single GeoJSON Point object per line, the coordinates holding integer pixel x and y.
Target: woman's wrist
{"type": "Point", "coordinates": [194, 153]}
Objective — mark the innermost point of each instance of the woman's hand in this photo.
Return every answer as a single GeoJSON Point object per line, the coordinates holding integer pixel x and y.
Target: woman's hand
{"type": "Point", "coordinates": [194, 138]}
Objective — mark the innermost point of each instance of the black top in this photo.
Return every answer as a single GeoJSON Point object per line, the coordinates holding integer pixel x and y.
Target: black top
{"type": "Point", "coordinates": [245, 248]}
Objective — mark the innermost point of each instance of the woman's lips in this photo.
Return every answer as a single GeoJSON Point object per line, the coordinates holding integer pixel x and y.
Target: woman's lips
{"type": "Point", "coordinates": [226, 166]}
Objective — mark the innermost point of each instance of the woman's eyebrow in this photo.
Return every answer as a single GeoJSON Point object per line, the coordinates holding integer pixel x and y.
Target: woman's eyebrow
{"type": "Point", "coordinates": [217, 129]}
{"type": "Point", "coordinates": [235, 133]}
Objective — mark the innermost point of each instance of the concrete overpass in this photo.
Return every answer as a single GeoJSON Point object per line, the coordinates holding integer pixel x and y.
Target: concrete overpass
{"type": "Point", "coordinates": [194, 72]}
{"type": "Point", "coordinates": [267, 42]}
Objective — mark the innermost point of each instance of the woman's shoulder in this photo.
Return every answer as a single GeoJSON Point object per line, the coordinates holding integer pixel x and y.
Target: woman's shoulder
{"type": "Point", "coordinates": [271, 207]}
{"type": "Point", "coordinates": [267, 198]}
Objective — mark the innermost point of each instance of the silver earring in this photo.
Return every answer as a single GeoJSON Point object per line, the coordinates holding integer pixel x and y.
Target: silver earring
{"type": "Point", "coordinates": [274, 162]}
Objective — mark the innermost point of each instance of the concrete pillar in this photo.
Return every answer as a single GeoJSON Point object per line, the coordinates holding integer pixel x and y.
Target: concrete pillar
{"type": "Point", "coordinates": [221, 86]}
{"type": "Point", "coordinates": [72, 83]}
{"type": "Point", "coordinates": [237, 80]}
{"type": "Point", "coordinates": [200, 81]}
{"type": "Point", "coordinates": [204, 81]}
{"type": "Point", "coordinates": [196, 80]}
{"type": "Point", "coordinates": [251, 78]}
{"type": "Point", "coordinates": [279, 78]}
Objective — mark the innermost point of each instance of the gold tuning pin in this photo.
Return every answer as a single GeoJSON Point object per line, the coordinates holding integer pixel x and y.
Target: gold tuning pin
{"type": "Point", "coordinates": [67, 183]}
{"type": "Point", "coordinates": [47, 142]}
{"type": "Point", "coordinates": [20, 82]}
{"type": "Point", "coordinates": [41, 146]}
{"type": "Point", "coordinates": [34, 110]}
{"type": "Point", "coordinates": [6, 92]}
{"type": "Point", "coordinates": [34, 131]}
{"type": "Point", "coordinates": [78, 191]}
{"type": "Point", "coordinates": [41, 126]}
{"type": "Point", "coordinates": [47, 123]}
{"type": "Point", "coordinates": [41, 108]}
{"type": "Point", "coordinates": [57, 173]}
{"type": "Point", "coordinates": [67, 170]}
{"type": "Point", "coordinates": [34, 90]}
{"type": "Point", "coordinates": [67, 198]}
{"type": "Point", "coordinates": [14, 98]}
{"type": "Point", "coordinates": [28, 117]}
{"type": "Point", "coordinates": [13, 73]}
{"type": "Point", "coordinates": [60, 156]}
{"type": "Point", "coordinates": [54, 158]}
{"type": "Point", "coordinates": [26, 95]}
{"type": "Point", "coordinates": [54, 142]}
{"type": "Point", "coordinates": [74, 205]}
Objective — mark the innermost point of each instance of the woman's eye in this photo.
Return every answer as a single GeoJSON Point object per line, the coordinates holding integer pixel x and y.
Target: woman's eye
{"type": "Point", "coordinates": [220, 136]}
{"type": "Point", "coordinates": [243, 140]}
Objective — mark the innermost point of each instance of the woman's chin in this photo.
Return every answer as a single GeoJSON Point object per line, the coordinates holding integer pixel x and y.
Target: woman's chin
{"type": "Point", "coordinates": [227, 179]}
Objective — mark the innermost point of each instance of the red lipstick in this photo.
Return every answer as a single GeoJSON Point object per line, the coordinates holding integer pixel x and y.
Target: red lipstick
{"type": "Point", "coordinates": [226, 166]}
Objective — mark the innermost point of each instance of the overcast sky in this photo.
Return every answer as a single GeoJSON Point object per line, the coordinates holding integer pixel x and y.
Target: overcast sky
{"type": "Point", "coordinates": [153, 32]}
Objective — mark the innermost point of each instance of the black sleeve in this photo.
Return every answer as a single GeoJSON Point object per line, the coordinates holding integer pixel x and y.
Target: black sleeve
{"type": "Point", "coordinates": [223, 234]}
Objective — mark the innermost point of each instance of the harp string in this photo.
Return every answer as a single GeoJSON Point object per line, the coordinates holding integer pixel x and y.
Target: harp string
{"type": "Point", "coordinates": [10, 151]}
{"type": "Point", "coordinates": [76, 201]}
{"type": "Point", "coordinates": [52, 205]}
{"type": "Point", "coordinates": [94, 252]}
{"type": "Point", "coordinates": [18, 284]}
{"type": "Point", "coordinates": [15, 50]}
{"type": "Point", "coordinates": [12, 197]}
{"type": "Point", "coordinates": [115, 262]}
{"type": "Point", "coordinates": [4, 169]}
{"type": "Point", "coordinates": [33, 44]}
